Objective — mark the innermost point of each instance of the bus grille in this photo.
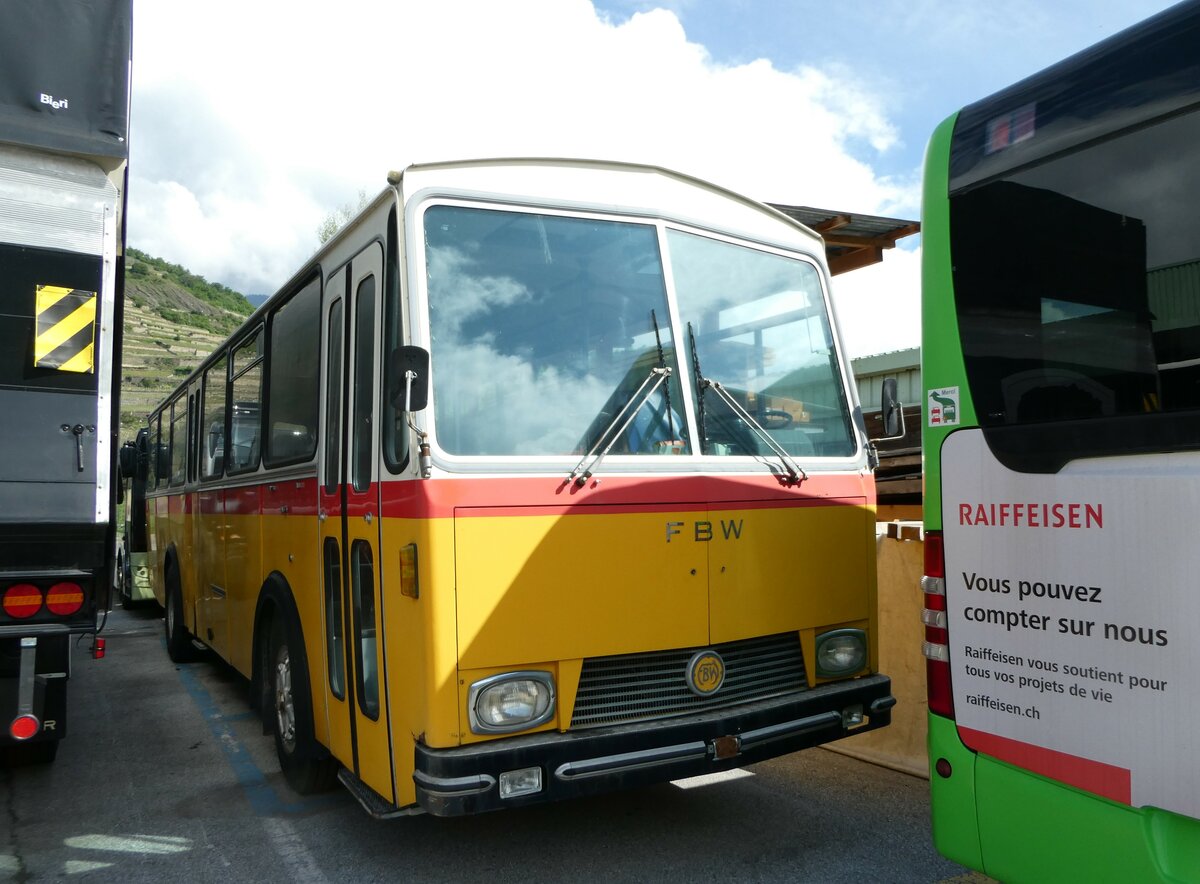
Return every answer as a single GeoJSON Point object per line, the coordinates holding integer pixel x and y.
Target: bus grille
{"type": "Point", "coordinates": [638, 687]}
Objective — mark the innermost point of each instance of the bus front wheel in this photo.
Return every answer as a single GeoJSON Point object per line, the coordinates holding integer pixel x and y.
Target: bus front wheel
{"type": "Point", "coordinates": [305, 765]}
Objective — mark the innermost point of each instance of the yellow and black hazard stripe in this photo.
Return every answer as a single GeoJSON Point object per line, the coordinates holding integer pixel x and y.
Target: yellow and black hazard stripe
{"type": "Point", "coordinates": [66, 329]}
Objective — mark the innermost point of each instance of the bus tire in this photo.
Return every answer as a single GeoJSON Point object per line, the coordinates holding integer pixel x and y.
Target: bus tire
{"type": "Point", "coordinates": [119, 576]}
{"type": "Point", "coordinates": [305, 763]}
{"type": "Point", "coordinates": [179, 641]}
{"type": "Point", "coordinates": [125, 582]}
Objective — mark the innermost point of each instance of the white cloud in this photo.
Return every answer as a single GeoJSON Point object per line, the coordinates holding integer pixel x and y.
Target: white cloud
{"type": "Point", "coordinates": [253, 121]}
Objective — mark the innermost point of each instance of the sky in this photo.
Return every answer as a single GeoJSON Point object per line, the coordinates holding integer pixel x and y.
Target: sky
{"type": "Point", "coordinates": [252, 122]}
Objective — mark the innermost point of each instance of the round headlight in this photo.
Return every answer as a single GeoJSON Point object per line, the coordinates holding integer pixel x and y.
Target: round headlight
{"type": "Point", "coordinates": [841, 652]}
{"type": "Point", "coordinates": [511, 701]}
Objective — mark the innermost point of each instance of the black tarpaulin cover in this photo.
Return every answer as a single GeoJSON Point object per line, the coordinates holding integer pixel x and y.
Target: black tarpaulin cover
{"type": "Point", "coordinates": [64, 74]}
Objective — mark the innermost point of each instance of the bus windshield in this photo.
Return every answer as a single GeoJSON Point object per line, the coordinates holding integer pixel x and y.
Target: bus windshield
{"type": "Point", "coordinates": [761, 330]}
{"type": "Point", "coordinates": [544, 327]}
{"type": "Point", "coordinates": [541, 328]}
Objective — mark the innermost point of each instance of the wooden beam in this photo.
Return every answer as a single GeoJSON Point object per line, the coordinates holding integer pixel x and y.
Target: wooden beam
{"type": "Point", "coordinates": [886, 241]}
{"type": "Point", "coordinates": [854, 260]}
{"type": "Point", "coordinates": [885, 487]}
{"type": "Point", "coordinates": [837, 221]}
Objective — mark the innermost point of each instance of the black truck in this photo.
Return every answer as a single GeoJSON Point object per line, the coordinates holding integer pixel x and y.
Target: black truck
{"type": "Point", "coordinates": [64, 148]}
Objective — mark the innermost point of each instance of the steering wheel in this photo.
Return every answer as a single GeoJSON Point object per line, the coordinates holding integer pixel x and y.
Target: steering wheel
{"type": "Point", "coordinates": [776, 418]}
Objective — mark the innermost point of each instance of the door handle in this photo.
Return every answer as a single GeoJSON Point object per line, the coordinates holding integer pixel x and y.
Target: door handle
{"type": "Point", "coordinates": [77, 431]}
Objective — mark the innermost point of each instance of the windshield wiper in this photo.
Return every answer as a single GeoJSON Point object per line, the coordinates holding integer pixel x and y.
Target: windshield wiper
{"type": "Point", "coordinates": [701, 385]}
{"type": "Point", "coordinates": [583, 470]}
{"type": "Point", "coordinates": [662, 363]}
{"type": "Point", "coordinates": [795, 472]}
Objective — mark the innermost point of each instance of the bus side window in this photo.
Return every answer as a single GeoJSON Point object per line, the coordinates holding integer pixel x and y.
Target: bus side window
{"type": "Point", "coordinates": [293, 369]}
{"type": "Point", "coordinates": [212, 462]}
{"type": "Point", "coordinates": [154, 457]}
{"type": "Point", "coordinates": [334, 632]}
{"type": "Point", "coordinates": [395, 421]}
{"type": "Point", "coordinates": [214, 453]}
{"type": "Point", "coordinates": [362, 587]}
{"type": "Point", "coordinates": [244, 428]}
{"type": "Point", "coordinates": [242, 446]}
{"type": "Point", "coordinates": [178, 441]}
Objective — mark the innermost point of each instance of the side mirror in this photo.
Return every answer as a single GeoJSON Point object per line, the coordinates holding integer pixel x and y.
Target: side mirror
{"type": "Point", "coordinates": [892, 411]}
{"type": "Point", "coordinates": [408, 378]}
{"type": "Point", "coordinates": [128, 460]}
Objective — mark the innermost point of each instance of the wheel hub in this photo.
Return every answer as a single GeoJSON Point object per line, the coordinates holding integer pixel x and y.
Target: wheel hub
{"type": "Point", "coordinates": [285, 710]}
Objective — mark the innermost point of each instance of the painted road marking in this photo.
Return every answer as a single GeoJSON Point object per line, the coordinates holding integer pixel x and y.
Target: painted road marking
{"type": "Point", "coordinates": [259, 793]}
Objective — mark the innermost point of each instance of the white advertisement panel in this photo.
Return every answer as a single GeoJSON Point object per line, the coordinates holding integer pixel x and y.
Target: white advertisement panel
{"type": "Point", "coordinates": [1072, 604]}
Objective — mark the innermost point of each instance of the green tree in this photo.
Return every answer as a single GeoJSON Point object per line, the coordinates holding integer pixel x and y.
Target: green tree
{"type": "Point", "coordinates": [338, 218]}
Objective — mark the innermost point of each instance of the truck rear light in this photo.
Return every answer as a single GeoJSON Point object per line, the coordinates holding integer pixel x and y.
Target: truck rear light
{"type": "Point", "coordinates": [24, 727]}
{"type": "Point", "coordinates": [64, 598]}
{"type": "Point", "coordinates": [936, 647]}
{"type": "Point", "coordinates": [22, 600]}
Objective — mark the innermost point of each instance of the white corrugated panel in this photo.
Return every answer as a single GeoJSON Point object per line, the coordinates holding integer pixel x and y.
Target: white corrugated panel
{"type": "Point", "coordinates": [53, 202]}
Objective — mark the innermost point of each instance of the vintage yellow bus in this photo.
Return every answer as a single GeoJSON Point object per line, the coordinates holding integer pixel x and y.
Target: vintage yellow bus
{"type": "Point", "coordinates": [540, 479]}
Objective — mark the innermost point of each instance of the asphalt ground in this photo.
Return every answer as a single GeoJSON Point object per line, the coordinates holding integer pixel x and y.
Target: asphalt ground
{"type": "Point", "coordinates": [167, 776]}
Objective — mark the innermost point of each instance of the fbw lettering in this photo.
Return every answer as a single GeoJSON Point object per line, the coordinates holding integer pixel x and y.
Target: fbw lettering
{"type": "Point", "coordinates": [704, 531]}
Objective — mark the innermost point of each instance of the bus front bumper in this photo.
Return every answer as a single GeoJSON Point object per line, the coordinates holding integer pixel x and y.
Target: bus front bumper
{"type": "Point", "coordinates": [467, 779]}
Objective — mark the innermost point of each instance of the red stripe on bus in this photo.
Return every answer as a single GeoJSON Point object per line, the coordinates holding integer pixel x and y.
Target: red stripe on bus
{"type": "Point", "coordinates": [440, 498]}
{"type": "Point", "coordinates": [242, 501]}
{"type": "Point", "coordinates": [298, 496]}
{"type": "Point", "coordinates": [1106, 780]}
{"type": "Point", "coordinates": [210, 503]}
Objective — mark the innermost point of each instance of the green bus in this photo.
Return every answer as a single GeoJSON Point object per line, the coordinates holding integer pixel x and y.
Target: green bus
{"type": "Point", "coordinates": [1061, 364]}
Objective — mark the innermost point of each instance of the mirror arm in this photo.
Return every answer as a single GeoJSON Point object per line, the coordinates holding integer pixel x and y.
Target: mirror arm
{"type": "Point", "coordinates": [424, 457]}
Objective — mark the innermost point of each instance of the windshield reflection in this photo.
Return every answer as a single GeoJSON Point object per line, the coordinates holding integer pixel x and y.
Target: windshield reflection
{"type": "Point", "coordinates": [542, 328]}
{"type": "Point", "coordinates": [761, 331]}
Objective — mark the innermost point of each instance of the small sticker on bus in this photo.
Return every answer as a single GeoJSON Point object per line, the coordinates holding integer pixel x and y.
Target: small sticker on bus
{"type": "Point", "coordinates": [942, 407]}
{"type": "Point", "coordinates": [1010, 128]}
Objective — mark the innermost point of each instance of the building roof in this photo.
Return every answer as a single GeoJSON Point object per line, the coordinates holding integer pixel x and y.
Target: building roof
{"type": "Point", "coordinates": [891, 361]}
{"type": "Point", "coordinates": [851, 240]}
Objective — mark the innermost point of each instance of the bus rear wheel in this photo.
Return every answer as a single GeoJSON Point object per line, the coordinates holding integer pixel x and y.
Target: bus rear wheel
{"type": "Point", "coordinates": [305, 765]}
{"type": "Point", "coordinates": [179, 641]}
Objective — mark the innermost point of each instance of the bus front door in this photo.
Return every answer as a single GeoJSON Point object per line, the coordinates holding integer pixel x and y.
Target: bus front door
{"type": "Point", "coordinates": [357, 711]}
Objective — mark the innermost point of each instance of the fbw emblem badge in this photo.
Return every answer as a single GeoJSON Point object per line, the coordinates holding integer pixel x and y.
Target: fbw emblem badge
{"type": "Point", "coordinates": [705, 673]}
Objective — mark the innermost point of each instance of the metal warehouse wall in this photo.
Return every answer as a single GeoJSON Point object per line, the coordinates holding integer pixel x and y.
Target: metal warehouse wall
{"type": "Point", "coordinates": [903, 365]}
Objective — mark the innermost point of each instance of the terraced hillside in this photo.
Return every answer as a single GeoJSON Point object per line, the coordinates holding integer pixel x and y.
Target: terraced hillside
{"type": "Point", "coordinates": [173, 319]}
